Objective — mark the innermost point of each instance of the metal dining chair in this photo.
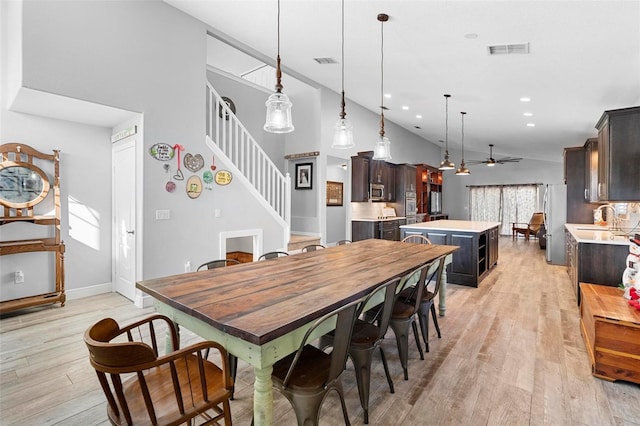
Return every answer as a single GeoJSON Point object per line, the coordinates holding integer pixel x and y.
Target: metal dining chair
{"type": "Point", "coordinates": [273, 255]}
{"type": "Point", "coordinates": [367, 334]}
{"type": "Point", "coordinates": [219, 263]}
{"type": "Point", "coordinates": [307, 375]}
{"type": "Point", "coordinates": [416, 238]}
{"type": "Point", "coordinates": [312, 247]}
{"type": "Point", "coordinates": [343, 242]}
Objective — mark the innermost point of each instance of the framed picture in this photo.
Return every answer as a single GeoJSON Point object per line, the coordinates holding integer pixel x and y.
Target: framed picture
{"type": "Point", "coordinates": [334, 193]}
{"type": "Point", "coordinates": [304, 175]}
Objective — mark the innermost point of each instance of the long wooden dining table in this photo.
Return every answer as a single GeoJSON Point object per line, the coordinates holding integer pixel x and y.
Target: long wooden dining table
{"type": "Point", "coordinates": [260, 311]}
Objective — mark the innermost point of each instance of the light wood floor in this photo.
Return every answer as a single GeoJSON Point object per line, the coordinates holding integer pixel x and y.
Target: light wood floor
{"type": "Point", "coordinates": [511, 354]}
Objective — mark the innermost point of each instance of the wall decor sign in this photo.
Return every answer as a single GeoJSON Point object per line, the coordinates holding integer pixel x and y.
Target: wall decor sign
{"type": "Point", "coordinates": [194, 187]}
{"type": "Point", "coordinates": [302, 155]}
{"type": "Point", "coordinates": [193, 163]}
{"type": "Point", "coordinates": [334, 193]}
{"type": "Point", "coordinates": [304, 175]}
{"type": "Point", "coordinates": [223, 177]}
{"type": "Point", "coordinates": [162, 151]}
{"type": "Point", "coordinates": [125, 133]}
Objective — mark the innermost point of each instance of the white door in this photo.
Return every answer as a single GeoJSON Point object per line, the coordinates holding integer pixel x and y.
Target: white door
{"type": "Point", "coordinates": [124, 210]}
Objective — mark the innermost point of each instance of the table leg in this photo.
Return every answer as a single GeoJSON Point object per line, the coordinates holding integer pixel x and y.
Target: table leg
{"type": "Point", "coordinates": [263, 397]}
{"type": "Point", "coordinates": [442, 306]}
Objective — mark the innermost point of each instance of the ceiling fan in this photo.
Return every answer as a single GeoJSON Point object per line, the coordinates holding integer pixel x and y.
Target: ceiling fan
{"type": "Point", "coordinates": [492, 161]}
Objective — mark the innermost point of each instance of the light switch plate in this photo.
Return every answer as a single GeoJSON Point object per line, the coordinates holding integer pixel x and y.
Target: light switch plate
{"type": "Point", "coordinates": [163, 214]}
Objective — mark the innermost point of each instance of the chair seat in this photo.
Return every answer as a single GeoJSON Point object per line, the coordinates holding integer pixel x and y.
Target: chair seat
{"type": "Point", "coordinates": [426, 294]}
{"type": "Point", "coordinates": [310, 372]}
{"type": "Point", "coordinates": [163, 396]}
{"type": "Point", "coordinates": [364, 334]}
{"type": "Point", "coordinates": [402, 310]}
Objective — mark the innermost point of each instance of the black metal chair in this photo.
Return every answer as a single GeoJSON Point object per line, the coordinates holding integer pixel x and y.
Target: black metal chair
{"type": "Point", "coordinates": [312, 247]}
{"type": "Point", "coordinates": [273, 255]}
{"type": "Point", "coordinates": [366, 337]}
{"type": "Point", "coordinates": [219, 263]}
{"type": "Point", "coordinates": [306, 376]}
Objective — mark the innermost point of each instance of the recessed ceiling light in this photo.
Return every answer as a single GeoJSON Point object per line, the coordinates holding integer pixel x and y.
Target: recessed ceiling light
{"type": "Point", "coordinates": [418, 116]}
{"type": "Point", "coordinates": [471, 35]}
{"type": "Point", "coordinates": [525, 99]}
{"type": "Point", "coordinates": [531, 125]}
{"type": "Point", "coordinates": [528, 114]}
{"type": "Point", "coordinates": [405, 108]}
{"type": "Point", "coordinates": [387, 95]}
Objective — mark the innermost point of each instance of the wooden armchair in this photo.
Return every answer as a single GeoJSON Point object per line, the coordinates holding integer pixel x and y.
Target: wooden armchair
{"type": "Point", "coordinates": [528, 229]}
{"type": "Point", "coordinates": [174, 388]}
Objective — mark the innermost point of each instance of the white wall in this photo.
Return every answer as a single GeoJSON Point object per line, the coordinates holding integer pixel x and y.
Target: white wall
{"type": "Point", "coordinates": [455, 194]}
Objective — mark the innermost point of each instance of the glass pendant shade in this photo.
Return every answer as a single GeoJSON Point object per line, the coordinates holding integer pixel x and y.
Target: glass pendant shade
{"type": "Point", "coordinates": [343, 135]}
{"type": "Point", "coordinates": [278, 114]}
{"type": "Point", "coordinates": [382, 149]}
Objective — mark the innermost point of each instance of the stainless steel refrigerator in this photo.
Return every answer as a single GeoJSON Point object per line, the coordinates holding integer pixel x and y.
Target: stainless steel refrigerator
{"type": "Point", "coordinates": [555, 216]}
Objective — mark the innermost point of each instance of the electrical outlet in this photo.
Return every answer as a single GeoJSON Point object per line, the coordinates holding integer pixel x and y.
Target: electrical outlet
{"type": "Point", "coordinates": [19, 277]}
{"type": "Point", "coordinates": [187, 266]}
{"type": "Point", "coordinates": [216, 212]}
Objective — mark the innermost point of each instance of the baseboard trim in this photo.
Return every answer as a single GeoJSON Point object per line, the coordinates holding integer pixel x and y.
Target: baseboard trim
{"type": "Point", "coordinates": [79, 293]}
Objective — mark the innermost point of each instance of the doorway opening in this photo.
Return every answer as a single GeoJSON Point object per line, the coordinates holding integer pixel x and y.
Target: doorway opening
{"type": "Point", "coordinates": [243, 246]}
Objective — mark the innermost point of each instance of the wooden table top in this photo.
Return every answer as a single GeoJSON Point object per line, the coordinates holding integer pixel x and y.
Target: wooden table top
{"type": "Point", "coordinates": [609, 302]}
{"type": "Point", "coordinates": [261, 301]}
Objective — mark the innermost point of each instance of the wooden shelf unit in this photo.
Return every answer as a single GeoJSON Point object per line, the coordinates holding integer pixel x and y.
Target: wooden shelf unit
{"type": "Point", "coordinates": [20, 155]}
{"type": "Point", "coordinates": [428, 183]}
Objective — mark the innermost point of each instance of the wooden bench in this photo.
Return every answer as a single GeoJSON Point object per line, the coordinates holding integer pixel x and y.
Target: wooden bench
{"type": "Point", "coordinates": [611, 331]}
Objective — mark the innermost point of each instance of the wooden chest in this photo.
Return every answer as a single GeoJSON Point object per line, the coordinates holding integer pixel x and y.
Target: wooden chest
{"type": "Point", "coordinates": [611, 332]}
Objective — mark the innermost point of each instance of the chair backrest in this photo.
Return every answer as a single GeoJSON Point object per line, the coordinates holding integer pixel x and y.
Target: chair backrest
{"type": "Point", "coordinates": [436, 276]}
{"type": "Point", "coordinates": [537, 219]}
{"type": "Point", "coordinates": [343, 242]}
{"type": "Point", "coordinates": [415, 238]}
{"type": "Point", "coordinates": [312, 247]}
{"type": "Point", "coordinates": [385, 309]}
{"type": "Point", "coordinates": [273, 255]}
{"type": "Point", "coordinates": [414, 298]}
{"type": "Point", "coordinates": [345, 317]}
{"type": "Point", "coordinates": [219, 263]}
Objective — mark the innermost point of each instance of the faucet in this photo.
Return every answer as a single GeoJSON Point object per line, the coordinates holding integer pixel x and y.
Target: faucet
{"type": "Point", "coordinates": [615, 220]}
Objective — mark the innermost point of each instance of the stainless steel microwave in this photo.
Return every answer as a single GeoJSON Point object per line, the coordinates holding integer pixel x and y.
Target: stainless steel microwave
{"type": "Point", "coordinates": [376, 192]}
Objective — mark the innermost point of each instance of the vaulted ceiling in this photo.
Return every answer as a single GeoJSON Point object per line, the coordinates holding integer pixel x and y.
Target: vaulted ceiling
{"type": "Point", "coordinates": [583, 58]}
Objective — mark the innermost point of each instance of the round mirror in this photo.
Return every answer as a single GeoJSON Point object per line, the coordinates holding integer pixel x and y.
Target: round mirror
{"type": "Point", "coordinates": [22, 185]}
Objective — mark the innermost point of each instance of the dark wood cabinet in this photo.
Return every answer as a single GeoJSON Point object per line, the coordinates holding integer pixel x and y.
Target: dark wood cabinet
{"type": "Point", "coordinates": [429, 191]}
{"type": "Point", "coordinates": [578, 210]}
{"type": "Point", "coordinates": [619, 155]}
{"type": "Point", "coordinates": [595, 263]}
{"type": "Point", "coordinates": [359, 179]}
{"type": "Point", "coordinates": [380, 229]}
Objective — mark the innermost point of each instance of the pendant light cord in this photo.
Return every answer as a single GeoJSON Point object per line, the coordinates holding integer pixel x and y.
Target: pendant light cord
{"type": "Point", "coordinates": [446, 124]}
{"type": "Point", "coordinates": [381, 78]}
{"type": "Point", "coordinates": [342, 103]}
{"type": "Point", "coordinates": [278, 70]}
{"type": "Point", "coordinates": [462, 157]}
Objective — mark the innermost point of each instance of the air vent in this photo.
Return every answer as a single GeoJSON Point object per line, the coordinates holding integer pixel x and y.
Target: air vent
{"type": "Point", "coordinates": [324, 61]}
{"type": "Point", "coordinates": [508, 49]}
{"type": "Point", "coordinates": [417, 127]}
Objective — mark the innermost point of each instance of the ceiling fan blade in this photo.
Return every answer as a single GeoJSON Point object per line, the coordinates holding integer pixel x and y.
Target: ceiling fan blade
{"type": "Point", "coordinates": [472, 162]}
{"type": "Point", "coordinates": [509, 160]}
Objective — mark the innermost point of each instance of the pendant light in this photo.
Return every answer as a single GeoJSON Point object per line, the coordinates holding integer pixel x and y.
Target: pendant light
{"type": "Point", "coordinates": [343, 135]}
{"type": "Point", "coordinates": [446, 164]}
{"type": "Point", "coordinates": [462, 170]}
{"type": "Point", "coordinates": [382, 148]}
{"type": "Point", "coordinates": [278, 105]}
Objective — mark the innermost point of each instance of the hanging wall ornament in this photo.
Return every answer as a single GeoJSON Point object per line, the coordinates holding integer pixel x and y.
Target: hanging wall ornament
{"type": "Point", "coordinates": [193, 163]}
{"type": "Point", "coordinates": [213, 163]}
{"type": "Point", "coordinates": [207, 177]}
{"type": "Point", "coordinates": [162, 152]}
{"type": "Point", "coordinates": [194, 187]}
{"type": "Point", "coordinates": [170, 186]}
{"type": "Point", "coordinates": [178, 175]}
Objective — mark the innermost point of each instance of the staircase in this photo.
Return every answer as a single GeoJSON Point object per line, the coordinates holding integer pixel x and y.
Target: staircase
{"type": "Point", "coordinates": [227, 136]}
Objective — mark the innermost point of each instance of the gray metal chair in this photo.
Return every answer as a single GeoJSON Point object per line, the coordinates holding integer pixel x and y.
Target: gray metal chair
{"type": "Point", "coordinates": [306, 376]}
{"type": "Point", "coordinates": [415, 238]}
{"type": "Point", "coordinates": [366, 337]}
{"type": "Point", "coordinates": [273, 255]}
{"type": "Point", "coordinates": [219, 263]}
{"type": "Point", "coordinates": [312, 247]}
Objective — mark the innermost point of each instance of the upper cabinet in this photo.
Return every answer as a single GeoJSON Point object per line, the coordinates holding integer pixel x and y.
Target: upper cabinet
{"type": "Point", "coordinates": [365, 171]}
{"type": "Point", "coordinates": [619, 155]}
{"type": "Point", "coordinates": [359, 179]}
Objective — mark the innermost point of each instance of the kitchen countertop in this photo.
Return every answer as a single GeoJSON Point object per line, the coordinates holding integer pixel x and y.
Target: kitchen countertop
{"type": "Point", "coordinates": [454, 225]}
{"type": "Point", "coordinates": [589, 233]}
{"type": "Point", "coordinates": [376, 219]}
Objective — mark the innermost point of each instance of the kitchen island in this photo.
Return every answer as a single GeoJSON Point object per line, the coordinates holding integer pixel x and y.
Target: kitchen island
{"type": "Point", "coordinates": [478, 242]}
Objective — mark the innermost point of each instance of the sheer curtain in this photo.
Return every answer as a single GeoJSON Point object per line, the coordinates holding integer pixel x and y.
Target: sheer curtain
{"type": "Point", "coordinates": [503, 203]}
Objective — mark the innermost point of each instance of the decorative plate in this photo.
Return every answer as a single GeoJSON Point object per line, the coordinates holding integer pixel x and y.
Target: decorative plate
{"type": "Point", "coordinates": [194, 187]}
{"type": "Point", "coordinates": [223, 177]}
{"type": "Point", "coordinates": [162, 151]}
{"type": "Point", "coordinates": [193, 163]}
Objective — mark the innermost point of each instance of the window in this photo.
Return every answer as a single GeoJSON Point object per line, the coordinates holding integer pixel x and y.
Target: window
{"type": "Point", "coordinates": [503, 203]}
